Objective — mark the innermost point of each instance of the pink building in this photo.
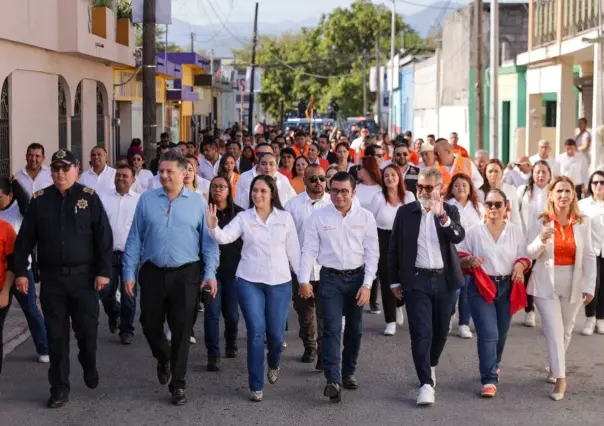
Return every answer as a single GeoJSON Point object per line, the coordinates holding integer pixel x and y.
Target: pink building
{"type": "Point", "coordinates": [56, 76]}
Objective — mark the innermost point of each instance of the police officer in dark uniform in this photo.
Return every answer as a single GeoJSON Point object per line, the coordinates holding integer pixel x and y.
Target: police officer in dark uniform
{"type": "Point", "coordinates": [68, 224]}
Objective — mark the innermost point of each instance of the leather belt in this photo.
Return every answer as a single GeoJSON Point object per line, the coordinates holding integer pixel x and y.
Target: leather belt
{"type": "Point", "coordinates": [498, 278]}
{"type": "Point", "coordinates": [342, 273]}
{"type": "Point", "coordinates": [429, 272]}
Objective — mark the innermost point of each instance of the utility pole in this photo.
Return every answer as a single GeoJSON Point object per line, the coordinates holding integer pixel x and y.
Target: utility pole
{"type": "Point", "coordinates": [149, 123]}
{"type": "Point", "coordinates": [250, 119]}
{"type": "Point", "coordinates": [478, 67]}
{"type": "Point", "coordinates": [494, 67]}
{"type": "Point", "coordinates": [192, 42]}
{"type": "Point", "coordinates": [378, 84]}
{"type": "Point", "coordinates": [392, 68]}
{"type": "Point", "coordinates": [364, 83]}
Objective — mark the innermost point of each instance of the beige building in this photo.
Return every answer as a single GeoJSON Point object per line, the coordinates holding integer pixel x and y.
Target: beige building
{"type": "Point", "coordinates": [57, 76]}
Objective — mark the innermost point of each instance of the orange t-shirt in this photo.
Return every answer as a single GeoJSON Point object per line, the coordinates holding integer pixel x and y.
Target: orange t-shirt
{"type": "Point", "coordinates": [234, 180]}
{"type": "Point", "coordinates": [7, 246]}
{"type": "Point", "coordinates": [300, 152]}
{"type": "Point", "coordinates": [565, 247]}
{"type": "Point", "coordinates": [414, 157]}
{"type": "Point", "coordinates": [298, 184]}
{"type": "Point", "coordinates": [460, 150]}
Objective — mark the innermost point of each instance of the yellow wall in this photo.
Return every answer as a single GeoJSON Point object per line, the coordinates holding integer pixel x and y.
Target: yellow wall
{"type": "Point", "coordinates": [132, 91]}
{"type": "Point", "coordinates": [508, 86]}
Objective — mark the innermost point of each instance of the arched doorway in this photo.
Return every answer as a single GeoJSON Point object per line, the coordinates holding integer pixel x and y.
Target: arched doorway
{"type": "Point", "coordinates": [4, 131]}
{"type": "Point", "coordinates": [76, 125]}
{"type": "Point", "coordinates": [62, 117]}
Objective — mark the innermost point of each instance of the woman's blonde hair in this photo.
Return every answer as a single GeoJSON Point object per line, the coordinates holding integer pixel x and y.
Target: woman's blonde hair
{"type": "Point", "coordinates": [194, 162]}
{"type": "Point", "coordinates": [548, 211]}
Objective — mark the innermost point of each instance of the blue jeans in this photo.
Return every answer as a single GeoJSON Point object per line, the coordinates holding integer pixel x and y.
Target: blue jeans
{"type": "Point", "coordinates": [264, 309]}
{"type": "Point", "coordinates": [338, 294]}
{"type": "Point", "coordinates": [35, 320]}
{"type": "Point", "coordinates": [462, 303]}
{"type": "Point", "coordinates": [225, 302]}
{"type": "Point", "coordinates": [126, 307]}
{"type": "Point", "coordinates": [492, 322]}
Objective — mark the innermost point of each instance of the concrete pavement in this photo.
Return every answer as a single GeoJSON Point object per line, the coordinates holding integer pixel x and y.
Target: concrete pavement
{"type": "Point", "coordinates": [129, 391]}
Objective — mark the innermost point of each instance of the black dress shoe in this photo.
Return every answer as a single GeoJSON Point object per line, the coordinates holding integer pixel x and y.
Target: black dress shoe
{"type": "Point", "coordinates": [333, 391]}
{"type": "Point", "coordinates": [309, 355]}
{"type": "Point", "coordinates": [179, 397]}
{"type": "Point", "coordinates": [231, 351]}
{"type": "Point", "coordinates": [57, 401]}
{"type": "Point", "coordinates": [163, 373]}
{"type": "Point", "coordinates": [91, 379]}
{"type": "Point", "coordinates": [114, 324]}
{"type": "Point", "coordinates": [350, 382]}
{"type": "Point", "coordinates": [213, 364]}
{"type": "Point", "coordinates": [126, 338]}
{"type": "Point", "coordinates": [319, 364]}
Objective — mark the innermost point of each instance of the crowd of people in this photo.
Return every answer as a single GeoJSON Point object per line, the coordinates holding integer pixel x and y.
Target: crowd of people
{"type": "Point", "coordinates": [331, 223]}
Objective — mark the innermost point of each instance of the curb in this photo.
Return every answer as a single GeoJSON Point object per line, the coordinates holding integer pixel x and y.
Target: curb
{"type": "Point", "coordinates": [15, 338]}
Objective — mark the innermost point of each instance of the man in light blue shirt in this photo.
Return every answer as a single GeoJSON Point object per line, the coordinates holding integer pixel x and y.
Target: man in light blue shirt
{"type": "Point", "coordinates": [168, 235]}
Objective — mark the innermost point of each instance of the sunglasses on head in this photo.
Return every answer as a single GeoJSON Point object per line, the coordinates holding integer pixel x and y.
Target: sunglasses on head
{"type": "Point", "coordinates": [496, 204]}
{"type": "Point", "coordinates": [317, 178]}
{"type": "Point", "coordinates": [56, 168]}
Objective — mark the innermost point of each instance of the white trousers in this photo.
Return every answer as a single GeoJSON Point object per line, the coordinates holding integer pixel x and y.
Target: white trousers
{"type": "Point", "coordinates": [558, 317]}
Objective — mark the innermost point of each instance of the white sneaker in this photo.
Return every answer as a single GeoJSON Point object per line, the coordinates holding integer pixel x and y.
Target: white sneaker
{"type": "Point", "coordinates": [44, 359]}
{"type": "Point", "coordinates": [192, 340]}
{"type": "Point", "coordinates": [529, 319]}
{"type": "Point", "coordinates": [400, 317]}
{"type": "Point", "coordinates": [390, 329]}
{"type": "Point", "coordinates": [169, 335]}
{"type": "Point", "coordinates": [600, 326]}
{"type": "Point", "coordinates": [464, 332]}
{"type": "Point", "coordinates": [451, 325]}
{"type": "Point", "coordinates": [433, 376]}
{"type": "Point", "coordinates": [589, 327]}
{"type": "Point", "coordinates": [343, 324]}
{"type": "Point", "coordinates": [426, 395]}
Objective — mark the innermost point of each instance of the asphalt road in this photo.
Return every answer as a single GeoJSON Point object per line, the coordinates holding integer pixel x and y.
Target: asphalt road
{"type": "Point", "coordinates": [130, 394]}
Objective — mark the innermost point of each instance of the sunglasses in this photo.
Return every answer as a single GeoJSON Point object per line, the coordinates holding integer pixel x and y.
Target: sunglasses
{"type": "Point", "coordinates": [427, 188]}
{"type": "Point", "coordinates": [316, 178]}
{"type": "Point", "coordinates": [496, 204]}
{"type": "Point", "coordinates": [597, 182]}
{"type": "Point", "coordinates": [56, 168]}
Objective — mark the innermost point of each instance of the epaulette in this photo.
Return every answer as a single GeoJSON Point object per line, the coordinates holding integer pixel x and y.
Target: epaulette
{"type": "Point", "coordinates": [89, 190]}
{"type": "Point", "coordinates": [37, 194]}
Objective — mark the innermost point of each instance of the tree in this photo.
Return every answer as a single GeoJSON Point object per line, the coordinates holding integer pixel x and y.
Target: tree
{"type": "Point", "coordinates": [160, 40]}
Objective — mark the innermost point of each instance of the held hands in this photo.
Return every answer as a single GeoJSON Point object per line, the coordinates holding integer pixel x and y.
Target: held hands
{"type": "Point", "coordinates": [518, 272]}
{"type": "Point", "coordinates": [306, 291]}
{"type": "Point", "coordinates": [211, 218]}
{"type": "Point", "coordinates": [100, 282]}
{"type": "Point", "coordinates": [212, 284]}
{"type": "Point", "coordinates": [546, 234]}
{"type": "Point", "coordinates": [587, 298]}
{"type": "Point", "coordinates": [436, 203]}
{"type": "Point", "coordinates": [363, 296]}
{"type": "Point", "coordinates": [22, 284]}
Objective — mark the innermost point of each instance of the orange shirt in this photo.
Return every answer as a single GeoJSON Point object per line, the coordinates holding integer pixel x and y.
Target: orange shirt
{"type": "Point", "coordinates": [414, 157]}
{"type": "Point", "coordinates": [301, 152]}
{"type": "Point", "coordinates": [286, 173]}
{"type": "Point", "coordinates": [460, 150]}
{"type": "Point", "coordinates": [234, 180]}
{"type": "Point", "coordinates": [297, 184]}
{"type": "Point", "coordinates": [565, 247]}
{"type": "Point", "coordinates": [7, 246]}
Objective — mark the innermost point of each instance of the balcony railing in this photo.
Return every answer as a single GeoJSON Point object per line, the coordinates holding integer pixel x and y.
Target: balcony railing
{"type": "Point", "coordinates": [556, 20]}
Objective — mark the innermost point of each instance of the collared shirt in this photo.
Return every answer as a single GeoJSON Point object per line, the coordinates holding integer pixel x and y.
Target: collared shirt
{"type": "Point", "coordinates": [575, 167]}
{"type": "Point", "coordinates": [536, 205]}
{"type": "Point", "coordinates": [269, 248]}
{"type": "Point", "coordinates": [428, 245]}
{"type": "Point", "coordinates": [595, 211]}
{"type": "Point", "coordinates": [103, 183]}
{"type": "Point", "coordinates": [499, 256]}
{"type": "Point", "coordinates": [120, 210]}
{"type": "Point", "coordinates": [468, 214]}
{"type": "Point", "coordinates": [385, 212]}
{"type": "Point", "coordinates": [554, 165]}
{"type": "Point", "coordinates": [170, 233]}
{"type": "Point", "coordinates": [31, 186]}
{"type": "Point", "coordinates": [365, 193]}
{"type": "Point", "coordinates": [143, 178]}
{"type": "Point", "coordinates": [208, 170]}
{"type": "Point", "coordinates": [340, 242]}
{"type": "Point", "coordinates": [284, 188]}
{"type": "Point", "coordinates": [301, 207]}
{"type": "Point", "coordinates": [515, 177]}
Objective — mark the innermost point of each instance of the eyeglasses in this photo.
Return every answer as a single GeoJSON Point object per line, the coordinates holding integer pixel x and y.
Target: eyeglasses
{"type": "Point", "coordinates": [379, 155]}
{"type": "Point", "coordinates": [496, 204]}
{"type": "Point", "coordinates": [316, 178]}
{"type": "Point", "coordinates": [56, 168]}
{"type": "Point", "coordinates": [137, 159]}
{"type": "Point", "coordinates": [597, 182]}
{"type": "Point", "coordinates": [427, 188]}
{"type": "Point", "coordinates": [335, 191]}
{"type": "Point", "coordinates": [401, 154]}
{"type": "Point", "coordinates": [219, 187]}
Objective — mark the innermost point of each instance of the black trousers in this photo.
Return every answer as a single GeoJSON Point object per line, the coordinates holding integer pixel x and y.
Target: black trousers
{"type": "Point", "coordinates": [3, 314]}
{"type": "Point", "coordinates": [65, 298]}
{"type": "Point", "coordinates": [429, 306]}
{"type": "Point", "coordinates": [309, 315]}
{"type": "Point", "coordinates": [389, 302]}
{"type": "Point", "coordinates": [596, 306]}
{"type": "Point", "coordinates": [172, 294]}
{"type": "Point", "coordinates": [530, 306]}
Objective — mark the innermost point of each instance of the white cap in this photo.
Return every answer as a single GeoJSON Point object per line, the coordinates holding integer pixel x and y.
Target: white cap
{"type": "Point", "coordinates": [427, 147]}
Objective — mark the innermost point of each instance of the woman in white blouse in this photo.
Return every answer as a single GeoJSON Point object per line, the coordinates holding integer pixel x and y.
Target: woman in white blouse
{"type": "Point", "coordinates": [370, 176]}
{"type": "Point", "coordinates": [593, 207]}
{"type": "Point", "coordinates": [462, 194]}
{"type": "Point", "coordinates": [532, 202]}
{"type": "Point", "coordinates": [263, 278]}
{"type": "Point", "coordinates": [493, 173]}
{"type": "Point", "coordinates": [384, 206]}
{"type": "Point", "coordinates": [194, 182]}
{"type": "Point", "coordinates": [564, 274]}
{"type": "Point", "coordinates": [142, 175]}
{"type": "Point", "coordinates": [499, 247]}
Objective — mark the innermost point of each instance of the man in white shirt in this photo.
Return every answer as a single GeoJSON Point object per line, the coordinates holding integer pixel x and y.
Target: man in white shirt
{"type": "Point", "coordinates": [309, 316]}
{"type": "Point", "coordinates": [357, 144]}
{"type": "Point", "coordinates": [35, 175]}
{"type": "Point", "coordinates": [208, 165]}
{"type": "Point", "coordinates": [343, 239]}
{"type": "Point", "coordinates": [481, 158]}
{"type": "Point", "coordinates": [575, 166]}
{"type": "Point", "coordinates": [543, 154]}
{"type": "Point", "coordinates": [99, 176]}
{"type": "Point", "coordinates": [518, 173]}
{"type": "Point", "coordinates": [424, 266]}
{"type": "Point", "coordinates": [120, 206]}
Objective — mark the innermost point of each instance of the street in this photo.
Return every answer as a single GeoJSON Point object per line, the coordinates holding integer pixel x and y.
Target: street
{"type": "Point", "coordinates": [130, 394]}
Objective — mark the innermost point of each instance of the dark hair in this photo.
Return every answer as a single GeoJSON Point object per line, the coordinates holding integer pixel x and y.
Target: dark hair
{"type": "Point", "coordinates": [591, 178]}
{"type": "Point", "coordinates": [209, 142]}
{"type": "Point", "coordinates": [141, 156]}
{"type": "Point", "coordinates": [234, 142]}
{"type": "Point", "coordinates": [570, 142]}
{"type": "Point", "coordinates": [101, 147]}
{"type": "Point", "coordinates": [253, 157]}
{"type": "Point", "coordinates": [370, 164]}
{"type": "Point", "coordinates": [408, 133]}
{"type": "Point", "coordinates": [400, 188]}
{"type": "Point", "coordinates": [486, 186]}
{"type": "Point", "coordinates": [344, 177]}
{"type": "Point", "coordinates": [165, 136]}
{"type": "Point", "coordinates": [472, 197]}
{"type": "Point", "coordinates": [324, 135]}
{"type": "Point", "coordinates": [126, 166]}
{"type": "Point", "coordinates": [230, 204]}
{"type": "Point", "coordinates": [345, 145]}
{"type": "Point", "coordinates": [136, 142]}
{"type": "Point", "coordinates": [498, 192]}
{"type": "Point", "coordinates": [370, 150]}
{"type": "Point", "coordinates": [299, 134]}
{"type": "Point", "coordinates": [531, 181]}
{"type": "Point", "coordinates": [296, 162]}
{"type": "Point", "coordinates": [440, 140]}
{"type": "Point", "coordinates": [223, 160]}
{"type": "Point", "coordinates": [272, 184]}
{"type": "Point", "coordinates": [431, 136]}
{"type": "Point", "coordinates": [36, 145]}
{"type": "Point", "coordinates": [176, 156]}
{"type": "Point", "coordinates": [286, 151]}
{"type": "Point", "coordinates": [260, 145]}
{"type": "Point", "coordinates": [15, 189]}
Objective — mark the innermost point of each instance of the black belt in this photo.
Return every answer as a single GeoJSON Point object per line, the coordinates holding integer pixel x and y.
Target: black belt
{"type": "Point", "coordinates": [498, 278]}
{"type": "Point", "coordinates": [117, 252]}
{"type": "Point", "coordinates": [67, 270]}
{"type": "Point", "coordinates": [169, 269]}
{"type": "Point", "coordinates": [342, 273]}
{"type": "Point", "coordinates": [429, 272]}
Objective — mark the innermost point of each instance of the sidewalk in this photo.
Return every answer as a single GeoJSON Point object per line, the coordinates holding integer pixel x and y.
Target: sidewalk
{"type": "Point", "coordinates": [15, 328]}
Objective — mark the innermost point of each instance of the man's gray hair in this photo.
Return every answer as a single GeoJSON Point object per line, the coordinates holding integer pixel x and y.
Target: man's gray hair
{"type": "Point", "coordinates": [481, 152]}
{"type": "Point", "coordinates": [430, 172]}
{"type": "Point", "coordinates": [176, 156]}
{"type": "Point", "coordinates": [544, 142]}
